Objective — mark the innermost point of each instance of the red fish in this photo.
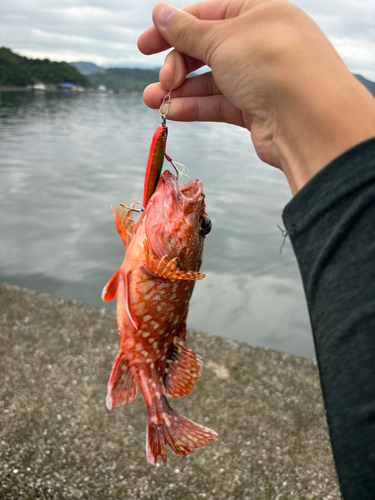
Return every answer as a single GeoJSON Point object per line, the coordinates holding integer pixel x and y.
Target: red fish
{"type": "Point", "coordinates": [153, 288]}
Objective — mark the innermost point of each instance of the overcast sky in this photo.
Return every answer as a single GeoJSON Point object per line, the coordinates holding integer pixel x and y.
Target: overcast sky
{"type": "Point", "coordinates": [106, 31]}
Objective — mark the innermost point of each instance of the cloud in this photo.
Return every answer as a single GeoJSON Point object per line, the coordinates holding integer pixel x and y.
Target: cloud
{"type": "Point", "coordinates": [93, 30]}
{"type": "Point", "coordinates": [350, 27]}
{"type": "Point", "coordinates": [106, 31]}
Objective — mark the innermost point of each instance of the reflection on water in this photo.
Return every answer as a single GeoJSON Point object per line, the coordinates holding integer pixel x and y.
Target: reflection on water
{"type": "Point", "coordinates": [65, 159]}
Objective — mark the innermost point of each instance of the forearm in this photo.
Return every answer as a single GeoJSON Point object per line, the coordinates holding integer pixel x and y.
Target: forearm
{"type": "Point", "coordinates": [324, 113]}
{"type": "Point", "coordinates": [331, 226]}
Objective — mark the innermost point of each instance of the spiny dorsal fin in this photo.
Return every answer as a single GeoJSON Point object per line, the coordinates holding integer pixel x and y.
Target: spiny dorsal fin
{"type": "Point", "coordinates": [124, 224]}
{"type": "Point", "coordinates": [122, 389]}
{"type": "Point", "coordinates": [184, 368]}
{"type": "Point", "coordinates": [168, 268]}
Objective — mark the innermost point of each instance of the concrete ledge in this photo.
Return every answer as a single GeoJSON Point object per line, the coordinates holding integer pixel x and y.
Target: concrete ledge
{"type": "Point", "coordinates": [58, 440]}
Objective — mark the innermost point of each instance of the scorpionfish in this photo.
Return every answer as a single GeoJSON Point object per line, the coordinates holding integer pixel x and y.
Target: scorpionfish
{"type": "Point", "coordinates": [153, 287]}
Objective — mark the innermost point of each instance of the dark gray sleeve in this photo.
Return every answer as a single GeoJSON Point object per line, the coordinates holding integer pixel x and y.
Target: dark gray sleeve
{"type": "Point", "coordinates": [331, 223]}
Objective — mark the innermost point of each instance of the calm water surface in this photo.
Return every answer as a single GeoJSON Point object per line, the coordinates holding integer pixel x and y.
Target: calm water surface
{"type": "Point", "coordinates": [65, 159]}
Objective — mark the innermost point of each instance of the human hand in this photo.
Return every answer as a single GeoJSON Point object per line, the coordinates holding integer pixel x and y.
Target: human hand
{"type": "Point", "coordinates": [273, 72]}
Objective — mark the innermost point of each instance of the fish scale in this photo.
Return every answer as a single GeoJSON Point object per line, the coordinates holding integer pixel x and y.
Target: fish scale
{"type": "Point", "coordinates": [153, 288]}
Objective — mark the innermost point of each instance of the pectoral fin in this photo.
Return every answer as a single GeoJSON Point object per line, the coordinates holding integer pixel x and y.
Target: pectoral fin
{"type": "Point", "coordinates": [168, 268]}
{"type": "Point", "coordinates": [110, 290]}
{"type": "Point", "coordinates": [127, 301]}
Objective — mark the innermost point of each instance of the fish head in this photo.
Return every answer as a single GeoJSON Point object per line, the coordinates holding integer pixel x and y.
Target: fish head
{"type": "Point", "coordinates": [175, 220]}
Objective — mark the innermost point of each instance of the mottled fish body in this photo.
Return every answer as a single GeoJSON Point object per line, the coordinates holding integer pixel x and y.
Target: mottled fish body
{"type": "Point", "coordinates": [153, 287]}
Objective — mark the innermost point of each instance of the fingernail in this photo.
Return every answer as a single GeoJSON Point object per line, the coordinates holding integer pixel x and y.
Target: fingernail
{"type": "Point", "coordinates": [165, 13]}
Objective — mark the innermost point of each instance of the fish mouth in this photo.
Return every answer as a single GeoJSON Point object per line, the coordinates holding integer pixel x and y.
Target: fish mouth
{"type": "Point", "coordinates": [190, 194]}
{"type": "Point", "coordinates": [192, 191]}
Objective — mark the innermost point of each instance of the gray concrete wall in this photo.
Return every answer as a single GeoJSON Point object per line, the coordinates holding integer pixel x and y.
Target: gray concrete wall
{"type": "Point", "coordinates": [58, 440]}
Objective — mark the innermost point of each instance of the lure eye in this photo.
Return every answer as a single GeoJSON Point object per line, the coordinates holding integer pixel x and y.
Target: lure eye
{"type": "Point", "coordinates": [205, 223]}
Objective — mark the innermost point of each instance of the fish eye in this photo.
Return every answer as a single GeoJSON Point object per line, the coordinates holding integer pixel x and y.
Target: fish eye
{"type": "Point", "coordinates": [205, 223]}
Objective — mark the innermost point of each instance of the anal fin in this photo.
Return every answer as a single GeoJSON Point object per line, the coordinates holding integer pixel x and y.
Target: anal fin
{"type": "Point", "coordinates": [184, 368]}
{"type": "Point", "coordinates": [122, 389]}
{"type": "Point", "coordinates": [168, 268]}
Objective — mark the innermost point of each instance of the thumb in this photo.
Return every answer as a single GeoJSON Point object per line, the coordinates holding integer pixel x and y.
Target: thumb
{"type": "Point", "coordinates": [183, 31]}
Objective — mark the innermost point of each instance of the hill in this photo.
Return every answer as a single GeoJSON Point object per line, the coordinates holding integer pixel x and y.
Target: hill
{"type": "Point", "coordinates": [367, 83]}
{"type": "Point", "coordinates": [129, 79]}
{"type": "Point", "coordinates": [19, 71]}
{"type": "Point", "coordinates": [136, 79]}
{"type": "Point", "coordinates": [86, 68]}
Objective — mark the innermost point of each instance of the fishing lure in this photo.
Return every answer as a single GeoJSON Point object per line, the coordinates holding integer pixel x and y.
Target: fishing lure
{"type": "Point", "coordinates": [157, 154]}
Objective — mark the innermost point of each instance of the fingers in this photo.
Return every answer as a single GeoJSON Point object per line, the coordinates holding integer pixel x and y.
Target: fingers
{"type": "Point", "coordinates": [195, 101]}
{"type": "Point", "coordinates": [151, 41]}
{"type": "Point", "coordinates": [181, 30]}
{"type": "Point", "coordinates": [176, 68]}
{"type": "Point", "coordinates": [197, 86]}
{"type": "Point", "coordinates": [174, 71]}
{"type": "Point", "coordinates": [205, 109]}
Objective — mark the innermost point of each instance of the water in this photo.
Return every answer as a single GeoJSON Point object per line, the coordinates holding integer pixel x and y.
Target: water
{"type": "Point", "coordinates": [65, 159]}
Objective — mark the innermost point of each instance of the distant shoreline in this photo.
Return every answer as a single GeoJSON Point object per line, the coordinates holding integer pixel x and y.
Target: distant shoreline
{"type": "Point", "coordinates": [65, 91]}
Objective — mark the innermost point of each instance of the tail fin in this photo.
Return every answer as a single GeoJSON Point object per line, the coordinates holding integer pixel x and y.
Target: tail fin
{"type": "Point", "coordinates": [180, 433]}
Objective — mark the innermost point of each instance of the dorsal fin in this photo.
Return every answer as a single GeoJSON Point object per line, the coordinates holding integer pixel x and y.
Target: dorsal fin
{"type": "Point", "coordinates": [124, 224]}
{"type": "Point", "coordinates": [184, 368]}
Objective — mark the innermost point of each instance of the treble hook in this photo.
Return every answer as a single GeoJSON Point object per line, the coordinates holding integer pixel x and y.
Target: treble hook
{"type": "Point", "coordinates": [138, 210]}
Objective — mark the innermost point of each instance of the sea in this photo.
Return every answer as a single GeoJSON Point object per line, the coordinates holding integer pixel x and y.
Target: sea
{"type": "Point", "coordinates": [65, 158]}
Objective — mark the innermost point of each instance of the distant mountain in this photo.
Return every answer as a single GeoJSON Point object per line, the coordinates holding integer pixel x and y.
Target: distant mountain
{"type": "Point", "coordinates": [139, 65]}
{"type": "Point", "coordinates": [128, 79]}
{"type": "Point", "coordinates": [19, 71]}
{"type": "Point", "coordinates": [86, 68]}
{"type": "Point", "coordinates": [367, 83]}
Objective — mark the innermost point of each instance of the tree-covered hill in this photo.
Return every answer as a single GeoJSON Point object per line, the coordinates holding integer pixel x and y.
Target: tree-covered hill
{"type": "Point", "coordinates": [129, 79]}
{"type": "Point", "coordinates": [367, 83]}
{"type": "Point", "coordinates": [19, 71]}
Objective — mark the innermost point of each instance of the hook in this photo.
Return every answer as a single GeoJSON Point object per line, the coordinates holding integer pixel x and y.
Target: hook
{"type": "Point", "coordinates": [174, 166]}
{"type": "Point", "coordinates": [131, 208]}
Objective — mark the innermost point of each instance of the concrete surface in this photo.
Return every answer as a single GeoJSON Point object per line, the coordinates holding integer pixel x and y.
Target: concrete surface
{"type": "Point", "coordinates": [58, 440]}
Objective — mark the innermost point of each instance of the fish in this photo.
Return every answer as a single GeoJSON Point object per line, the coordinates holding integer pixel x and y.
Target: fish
{"type": "Point", "coordinates": [163, 255]}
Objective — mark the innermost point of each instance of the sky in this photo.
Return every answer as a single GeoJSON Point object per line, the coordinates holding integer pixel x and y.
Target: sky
{"type": "Point", "coordinates": [105, 31]}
